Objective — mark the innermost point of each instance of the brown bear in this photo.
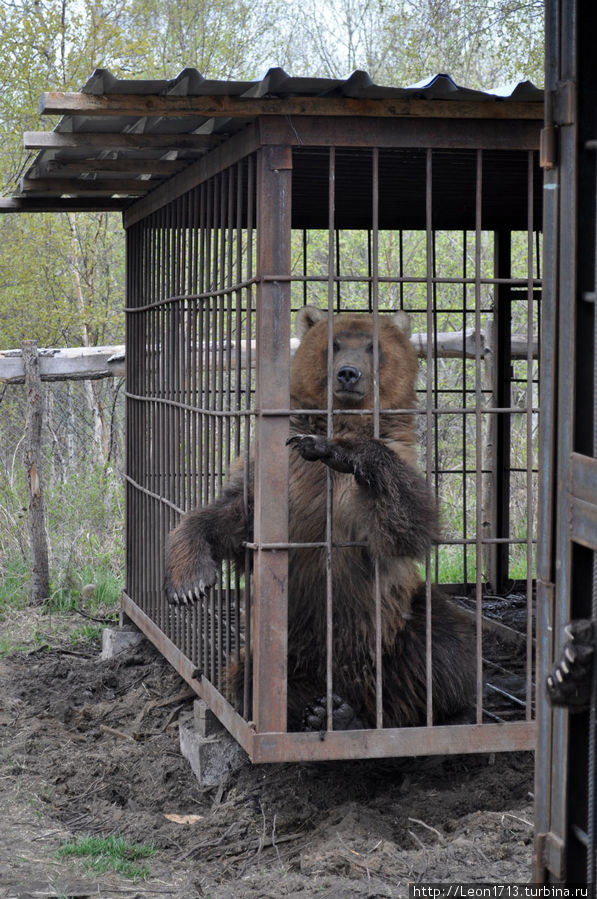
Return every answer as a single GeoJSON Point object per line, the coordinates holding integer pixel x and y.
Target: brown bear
{"type": "Point", "coordinates": [382, 512]}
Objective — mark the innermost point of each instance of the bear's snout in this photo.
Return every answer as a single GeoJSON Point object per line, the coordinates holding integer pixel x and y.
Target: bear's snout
{"type": "Point", "coordinates": [348, 376]}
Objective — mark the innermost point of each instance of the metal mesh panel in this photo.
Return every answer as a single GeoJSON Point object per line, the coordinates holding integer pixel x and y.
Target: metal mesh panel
{"type": "Point", "coordinates": [190, 396]}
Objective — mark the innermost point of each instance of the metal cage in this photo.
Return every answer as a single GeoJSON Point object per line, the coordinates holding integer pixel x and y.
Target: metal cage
{"type": "Point", "coordinates": [352, 215]}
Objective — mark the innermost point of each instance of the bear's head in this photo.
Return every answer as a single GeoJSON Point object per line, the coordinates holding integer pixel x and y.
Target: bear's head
{"type": "Point", "coordinates": [352, 369]}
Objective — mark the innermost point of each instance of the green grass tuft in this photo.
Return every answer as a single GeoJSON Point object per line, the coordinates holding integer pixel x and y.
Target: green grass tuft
{"type": "Point", "coordinates": [111, 853]}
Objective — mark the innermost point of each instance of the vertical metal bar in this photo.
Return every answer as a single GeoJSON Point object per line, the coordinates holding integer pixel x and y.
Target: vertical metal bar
{"type": "Point", "coordinates": [156, 528]}
{"type": "Point", "coordinates": [479, 440]}
{"type": "Point", "coordinates": [529, 434]}
{"type": "Point", "coordinates": [436, 391]}
{"type": "Point", "coordinates": [592, 749]}
{"type": "Point", "coordinates": [194, 401]}
{"type": "Point", "coordinates": [271, 458]}
{"type": "Point", "coordinates": [429, 416]}
{"type": "Point", "coordinates": [374, 248]}
{"type": "Point", "coordinates": [238, 398]}
{"type": "Point", "coordinates": [329, 536]}
{"type": "Point", "coordinates": [202, 370]}
{"type": "Point", "coordinates": [465, 442]}
{"type": "Point", "coordinates": [131, 246]}
{"type": "Point", "coordinates": [500, 501]}
{"type": "Point", "coordinates": [566, 292]}
{"type": "Point", "coordinates": [250, 226]}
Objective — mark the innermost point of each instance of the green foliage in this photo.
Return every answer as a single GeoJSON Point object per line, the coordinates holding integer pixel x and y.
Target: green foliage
{"type": "Point", "coordinates": [86, 545]}
{"type": "Point", "coordinates": [62, 277]}
{"type": "Point", "coordinates": [14, 581]}
{"type": "Point", "coordinates": [111, 853]}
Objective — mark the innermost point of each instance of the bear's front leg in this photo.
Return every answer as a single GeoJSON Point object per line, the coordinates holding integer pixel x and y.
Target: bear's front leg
{"type": "Point", "coordinates": [399, 508]}
{"type": "Point", "coordinates": [201, 541]}
{"type": "Point", "coordinates": [333, 453]}
{"type": "Point", "coordinates": [369, 461]}
{"type": "Point", "coordinates": [190, 566]}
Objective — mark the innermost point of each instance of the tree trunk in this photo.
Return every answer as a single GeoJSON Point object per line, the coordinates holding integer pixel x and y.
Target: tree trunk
{"type": "Point", "coordinates": [38, 538]}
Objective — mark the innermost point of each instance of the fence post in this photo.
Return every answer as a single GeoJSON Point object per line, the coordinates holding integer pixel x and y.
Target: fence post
{"type": "Point", "coordinates": [38, 538]}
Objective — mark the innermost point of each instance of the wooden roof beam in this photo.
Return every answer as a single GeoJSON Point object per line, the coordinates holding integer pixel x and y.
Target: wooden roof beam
{"type": "Point", "coordinates": [142, 105]}
{"type": "Point", "coordinates": [63, 140]}
{"type": "Point", "coordinates": [63, 204]}
{"type": "Point", "coordinates": [124, 166]}
{"type": "Point", "coordinates": [81, 187]}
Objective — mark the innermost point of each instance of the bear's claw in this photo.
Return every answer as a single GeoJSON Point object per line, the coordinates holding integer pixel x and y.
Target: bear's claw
{"type": "Point", "coordinates": [188, 597]}
{"type": "Point", "coordinates": [569, 683]}
{"type": "Point", "coordinates": [311, 446]}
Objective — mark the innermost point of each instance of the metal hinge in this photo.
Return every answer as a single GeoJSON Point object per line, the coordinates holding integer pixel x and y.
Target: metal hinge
{"type": "Point", "coordinates": [551, 853]}
{"type": "Point", "coordinates": [560, 109]}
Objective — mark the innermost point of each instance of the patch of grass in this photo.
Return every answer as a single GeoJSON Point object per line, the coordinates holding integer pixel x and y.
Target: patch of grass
{"type": "Point", "coordinates": [7, 647]}
{"type": "Point", "coordinates": [88, 633]}
{"type": "Point", "coordinates": [108, 587]}
{"type": "Point", "coordinates": [111, 853]}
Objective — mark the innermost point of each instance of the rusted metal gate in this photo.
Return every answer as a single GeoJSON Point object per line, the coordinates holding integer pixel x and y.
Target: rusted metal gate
{"type": "Point", "coordinates": [567, 570]}
{"type": "Point", "coordinates": [218, 261]}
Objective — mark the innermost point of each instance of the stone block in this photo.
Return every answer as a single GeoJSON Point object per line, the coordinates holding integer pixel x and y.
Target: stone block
{"type": "Point", "coordinates": [119, 639]}
{"type": "Point", "coordinates": [213, 758]}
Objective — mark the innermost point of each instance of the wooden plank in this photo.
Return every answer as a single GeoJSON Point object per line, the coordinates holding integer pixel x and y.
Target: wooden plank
{"type": "Point", "coordinates": [80, 363]}
{"type": "Point", "coordinates": [71, 363]}
{"type": "Point", "coordinates": [136, 105]}
{"type": "Point", "coordinates": [87, 186]}
{"type": "Point", "coordinates": [123, 166]}
{"type": "Point", "coordinates": [583, 478]}
{"type": "Point", "coordinates": [63, 204]}
{"type": "Point", "coordinates": [490, 134]}
{"type": "Point", "coordinates": [56, 140]}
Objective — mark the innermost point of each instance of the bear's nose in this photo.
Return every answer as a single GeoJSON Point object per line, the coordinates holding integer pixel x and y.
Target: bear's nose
{"type": "Point", "coordinates": [348, 375]}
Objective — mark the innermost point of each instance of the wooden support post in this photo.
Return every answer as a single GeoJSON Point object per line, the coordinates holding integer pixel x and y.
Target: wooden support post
{"type": "Point", "coordinates": [38, 538]}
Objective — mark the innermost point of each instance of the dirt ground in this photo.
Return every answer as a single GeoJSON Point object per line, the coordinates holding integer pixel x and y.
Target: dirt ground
{"type": "Point", "coordinates": [87, 749]}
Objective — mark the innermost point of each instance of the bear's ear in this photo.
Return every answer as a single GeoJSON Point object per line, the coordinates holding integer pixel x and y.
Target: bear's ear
{"type": "Point", "coordinates": [402, 320]}
{"type": "Point", "coordinates": [306, 317]}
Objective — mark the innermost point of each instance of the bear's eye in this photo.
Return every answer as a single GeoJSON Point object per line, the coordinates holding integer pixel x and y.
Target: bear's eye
{"type": "Point", "coordinates": [336, 346]}
{"type": "Point", "coordinates": [370, 348]}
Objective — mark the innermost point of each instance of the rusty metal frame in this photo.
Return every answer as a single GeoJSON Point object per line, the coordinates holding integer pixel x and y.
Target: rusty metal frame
{"type": "Point", "coordinates": [209, 293]}
{"type": "Point", "coordinates": [566, 761]}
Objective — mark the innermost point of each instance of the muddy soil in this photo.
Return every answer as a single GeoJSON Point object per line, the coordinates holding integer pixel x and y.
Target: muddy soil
{"type": "Point", "coordinates": [91, 747]}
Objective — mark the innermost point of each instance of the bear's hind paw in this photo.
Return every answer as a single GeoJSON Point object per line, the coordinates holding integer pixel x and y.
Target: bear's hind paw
{"type": "Point", "coordinates": [343, 715]}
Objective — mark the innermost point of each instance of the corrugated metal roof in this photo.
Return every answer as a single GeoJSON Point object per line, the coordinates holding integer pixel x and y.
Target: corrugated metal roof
{"type": "Point", "coordinates": [117, 140]}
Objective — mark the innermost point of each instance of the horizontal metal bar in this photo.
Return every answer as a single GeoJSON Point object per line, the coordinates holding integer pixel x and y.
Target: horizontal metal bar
{"type": "Point", "coordinates": [199, 410]}
{"type": "Point", "coordinates": [406, 741]}
{"type": "Point", "coordinates": [152, 495]}
{"type": "Point", "coordinates": [314, 545]}
{"type": "Point", "coordinates": [195, 297]}
{"type": "Point", "coordinates": [240, 729]}
{"type": "Point", "coordinates": [236, 413]}
{"type": "Point", "coordinates": [437, 410]}
{"type": "Point", "coordinates": [507, 695]}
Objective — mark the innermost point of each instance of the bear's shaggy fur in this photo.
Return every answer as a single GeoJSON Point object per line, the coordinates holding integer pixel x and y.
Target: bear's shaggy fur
{"type": "Point", "coordinates": [379, 500]}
